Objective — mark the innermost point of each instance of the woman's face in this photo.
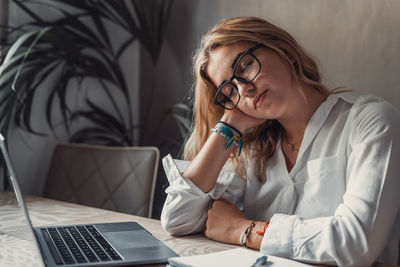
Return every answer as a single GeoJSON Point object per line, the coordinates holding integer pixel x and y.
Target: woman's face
{"type": "Point", "coordinates": [269, 95]}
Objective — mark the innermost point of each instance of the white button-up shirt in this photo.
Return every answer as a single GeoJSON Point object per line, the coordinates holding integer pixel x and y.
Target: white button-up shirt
{"type": "Point", "coordinates": [338, 205]}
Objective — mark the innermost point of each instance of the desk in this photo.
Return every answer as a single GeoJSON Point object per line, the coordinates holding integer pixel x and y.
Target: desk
{"type": "Point", "coordinates": [51, 212]}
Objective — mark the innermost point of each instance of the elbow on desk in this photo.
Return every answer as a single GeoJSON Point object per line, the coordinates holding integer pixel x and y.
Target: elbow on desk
{"type": "Point", "coordinates": [353, 245]}
{"type": "Point", "coordinates": [355, 256]}
{"type": "Point", "coordinates": [167, 225]}
{"type": "Point", "coordinates": [173, 229]}
{"type": "Point", "coordinates": [361, 242]}
{"type": "Point", "coordinates": [358, 259]}
{"type": "Point", "coordinates": [176, 225]}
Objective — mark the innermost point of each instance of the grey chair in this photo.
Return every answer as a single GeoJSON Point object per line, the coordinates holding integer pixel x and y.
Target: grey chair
{"type": "Point", "coordinates": [114, 178]}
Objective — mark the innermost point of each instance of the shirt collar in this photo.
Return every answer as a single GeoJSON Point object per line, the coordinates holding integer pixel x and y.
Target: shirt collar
{"type": "Point", "coordinates": [319, 117]}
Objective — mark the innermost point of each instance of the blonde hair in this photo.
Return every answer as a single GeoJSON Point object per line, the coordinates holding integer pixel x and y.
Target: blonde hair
{"type": "Point", "coordinates": [260, 143]}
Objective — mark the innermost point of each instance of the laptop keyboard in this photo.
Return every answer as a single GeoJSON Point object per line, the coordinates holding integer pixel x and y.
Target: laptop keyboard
{"type": "Point", "coordinates": [78, 244]}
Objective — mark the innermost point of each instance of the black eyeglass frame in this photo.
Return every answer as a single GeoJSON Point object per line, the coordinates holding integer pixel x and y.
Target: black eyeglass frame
{"type": "Point", "coordinates": [247, 52]}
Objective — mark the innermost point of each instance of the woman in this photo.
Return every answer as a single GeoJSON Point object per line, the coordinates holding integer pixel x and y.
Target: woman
{"type": "Point", "coordinates": [276, 162]}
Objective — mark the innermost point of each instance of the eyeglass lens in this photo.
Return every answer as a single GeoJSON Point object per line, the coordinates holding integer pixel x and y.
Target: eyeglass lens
{"type": "Point", "coordinates": [228, 96]}
{"type": "Point", "coordinates": [245, 71]}
{"type": "Point", "coordinates": [247, 68]}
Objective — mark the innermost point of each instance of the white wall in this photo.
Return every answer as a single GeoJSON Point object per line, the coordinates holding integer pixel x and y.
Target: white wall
{"type": "Point", "coordinates": [356, 42]}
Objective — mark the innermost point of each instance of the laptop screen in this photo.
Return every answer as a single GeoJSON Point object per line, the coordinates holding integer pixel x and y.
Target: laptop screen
{"type": "Point", "coordinates": [17, 243]}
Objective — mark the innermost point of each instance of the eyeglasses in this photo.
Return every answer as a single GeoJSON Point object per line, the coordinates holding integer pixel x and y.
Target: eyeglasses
{"type": "Point", "coordinates": [245, 70]}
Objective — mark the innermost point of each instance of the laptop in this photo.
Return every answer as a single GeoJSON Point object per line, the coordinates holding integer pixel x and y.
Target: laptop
{"type": "Point", "coordinates": [104, 244]}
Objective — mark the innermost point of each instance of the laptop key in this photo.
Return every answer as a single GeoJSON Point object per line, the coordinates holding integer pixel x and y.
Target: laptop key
{"type": "Point", "coordinates": [71, 245]}
{"type": "Point", "coordinates": [82, 244]}
{"type": "Point", "coordinates": [62, 248]}
{"type": "Point", "coordinates": [103, 242]}
{"type": "Point", "coordinates": [50, 244]}
{"type": "Point", "coordinates": [93, 244]}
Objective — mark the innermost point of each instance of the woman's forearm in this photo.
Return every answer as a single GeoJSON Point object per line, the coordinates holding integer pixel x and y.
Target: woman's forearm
{"type": "Point", "coordinates": [206, 166]}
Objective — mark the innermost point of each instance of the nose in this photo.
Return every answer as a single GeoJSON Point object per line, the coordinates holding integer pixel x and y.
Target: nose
{"type": "Point", "coordinates": [246, 89]}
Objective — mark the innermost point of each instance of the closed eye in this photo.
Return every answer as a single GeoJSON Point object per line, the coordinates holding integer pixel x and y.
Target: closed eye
{"type": "Point", "coordinates": [244, 65]}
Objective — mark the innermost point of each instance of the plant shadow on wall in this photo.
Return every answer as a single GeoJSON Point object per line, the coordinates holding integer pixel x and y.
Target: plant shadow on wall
{"type": "Point", "coordinates": [78, 56]}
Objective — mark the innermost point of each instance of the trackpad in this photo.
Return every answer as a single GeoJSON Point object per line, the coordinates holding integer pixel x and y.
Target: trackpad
{"type": "Point", "coordinates": [131, 239]}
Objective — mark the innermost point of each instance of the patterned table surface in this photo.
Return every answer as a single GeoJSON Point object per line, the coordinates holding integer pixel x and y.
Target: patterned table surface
{"type": "Point", "coordinates": [16, 251]}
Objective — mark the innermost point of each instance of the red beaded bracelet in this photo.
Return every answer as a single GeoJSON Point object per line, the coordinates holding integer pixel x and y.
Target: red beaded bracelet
{"type": "Point", "coordinates": [261, 233]}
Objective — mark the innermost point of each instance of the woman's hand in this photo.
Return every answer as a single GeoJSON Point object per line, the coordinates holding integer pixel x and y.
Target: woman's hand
{"type": "Point", "coordinates": [225, 222]}
{"type": "Point", "coordinates": [241, 120]}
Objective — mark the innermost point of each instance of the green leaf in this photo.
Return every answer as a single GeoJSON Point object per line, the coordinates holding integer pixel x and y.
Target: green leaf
{"type": "Point", "coordinates": [18, 43]}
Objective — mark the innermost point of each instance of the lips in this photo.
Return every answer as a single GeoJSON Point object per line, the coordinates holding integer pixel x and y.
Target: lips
{"type": "Point", "coordinates": [258, 98]}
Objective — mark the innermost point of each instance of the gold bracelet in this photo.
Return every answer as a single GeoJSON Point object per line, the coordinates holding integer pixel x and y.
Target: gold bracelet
{"type": "Point", "coordinates": [245, 234]}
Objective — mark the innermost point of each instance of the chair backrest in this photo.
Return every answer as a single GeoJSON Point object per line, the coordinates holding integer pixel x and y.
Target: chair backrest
{"type": "Point", "coordinates": [115, 178]}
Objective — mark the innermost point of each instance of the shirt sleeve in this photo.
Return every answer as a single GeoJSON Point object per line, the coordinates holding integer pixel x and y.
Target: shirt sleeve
{"type": "Point", "coordinates": [360, 228]}
{"type": "Point", "coordinates": [186, 205]}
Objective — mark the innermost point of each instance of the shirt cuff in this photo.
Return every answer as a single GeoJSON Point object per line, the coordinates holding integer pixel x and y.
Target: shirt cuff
{"type": "Point", "coordinates": [277, 239]}
{"type": "Point", "coordinates": [175, 168]}
{"type": "Point", "coordinates": [175, 178]}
